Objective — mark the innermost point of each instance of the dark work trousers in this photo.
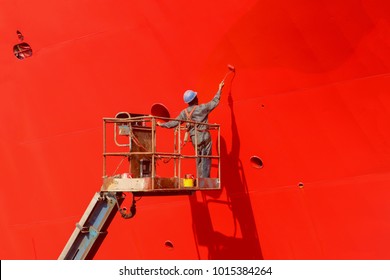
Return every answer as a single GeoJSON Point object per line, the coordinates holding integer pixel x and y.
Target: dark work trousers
{"type": "Point", "coordinates": [204, 149]}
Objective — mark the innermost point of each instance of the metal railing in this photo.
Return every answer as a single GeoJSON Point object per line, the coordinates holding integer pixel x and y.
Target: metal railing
{"type": "Point", "coordinates": [140, 141]}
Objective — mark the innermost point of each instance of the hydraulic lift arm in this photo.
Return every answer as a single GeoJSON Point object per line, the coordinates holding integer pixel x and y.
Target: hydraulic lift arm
{"type": "Point", "coordinates": [91, 230]}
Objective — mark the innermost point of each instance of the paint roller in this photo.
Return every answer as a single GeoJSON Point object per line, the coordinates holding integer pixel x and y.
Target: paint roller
{"type": "Point", "coordinates": [231, 70]}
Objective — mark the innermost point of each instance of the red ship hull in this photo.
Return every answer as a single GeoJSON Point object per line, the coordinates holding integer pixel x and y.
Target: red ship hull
{"type": "Point", "coordinates": [310, 98]}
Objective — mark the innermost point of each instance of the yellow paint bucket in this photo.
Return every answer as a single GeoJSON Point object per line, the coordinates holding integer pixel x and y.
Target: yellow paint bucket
{"type": "Point", "coordinates": [188, 181]}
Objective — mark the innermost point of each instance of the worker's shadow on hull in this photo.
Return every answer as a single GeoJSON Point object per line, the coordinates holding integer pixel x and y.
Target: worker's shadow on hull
{"type": "Point", "coordinates": [243, 243]}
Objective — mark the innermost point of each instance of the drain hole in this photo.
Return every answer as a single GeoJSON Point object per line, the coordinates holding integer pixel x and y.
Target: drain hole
{"type": "Point", "coordinates": [22, 51]}
{"type": "Point", "coordinates": [256, 162]}
{"type": "Point", "coordinates": [169, 244]}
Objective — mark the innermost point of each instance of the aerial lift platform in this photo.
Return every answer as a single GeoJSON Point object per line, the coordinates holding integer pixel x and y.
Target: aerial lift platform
{"type": "Point", "coordinates": [142, 159]}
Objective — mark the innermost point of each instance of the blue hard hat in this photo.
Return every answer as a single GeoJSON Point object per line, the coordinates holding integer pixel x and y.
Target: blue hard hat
{"type": "Point", "coordinates": [189, 95]}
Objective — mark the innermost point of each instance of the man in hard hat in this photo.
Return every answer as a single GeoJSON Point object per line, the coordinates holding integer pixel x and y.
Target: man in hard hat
{"type": "Point", "coordinates": [198, 113]}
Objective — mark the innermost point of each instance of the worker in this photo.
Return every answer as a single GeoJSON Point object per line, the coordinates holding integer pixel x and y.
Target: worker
{"type": "Point", "coordinates": [198, 113]}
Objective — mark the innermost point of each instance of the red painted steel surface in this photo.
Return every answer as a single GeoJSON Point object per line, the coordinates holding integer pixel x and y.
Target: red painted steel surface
{"type": "Point", "coordinates": [310, 98]}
